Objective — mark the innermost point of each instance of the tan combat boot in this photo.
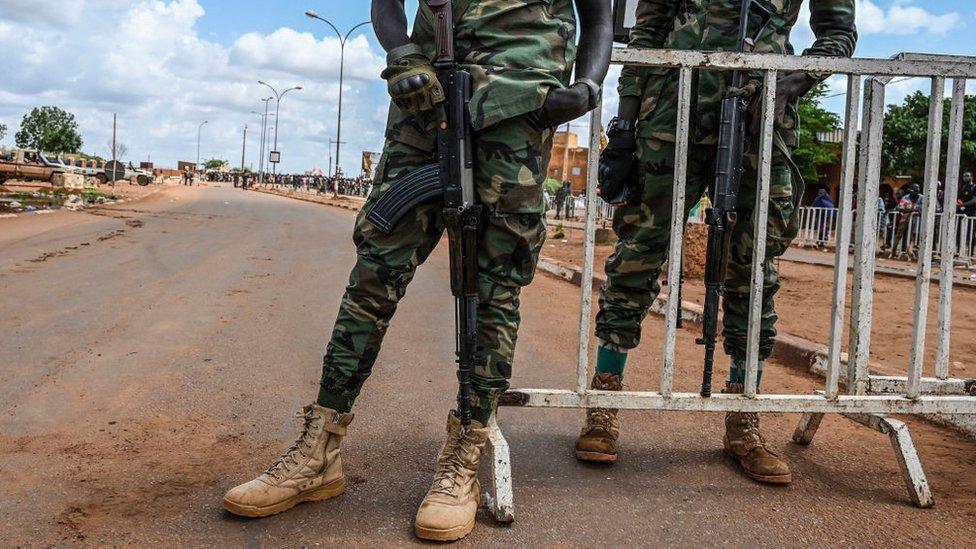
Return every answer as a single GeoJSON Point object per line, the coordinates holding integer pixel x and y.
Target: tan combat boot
{"type": "Point", "coordinates": [598, 439]}
{"type": "Point", "coordinates": [745, 443]}
{"type": "Point", "coordinates": [311, 470]}
{"type": "Point", "coordinates": [448, 511]}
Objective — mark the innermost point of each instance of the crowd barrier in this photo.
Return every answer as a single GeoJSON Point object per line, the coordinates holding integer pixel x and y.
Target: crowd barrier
{"type": "Point", "coordinates": [849, 388]}
{"type": "Point", "coordinates": [899, 234]}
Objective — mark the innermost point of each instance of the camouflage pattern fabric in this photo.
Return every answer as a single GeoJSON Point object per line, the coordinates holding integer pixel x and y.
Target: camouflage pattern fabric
{"type": "Point", "coordinates": [510, 165]}
{"type": "Point", "coordinates": [515, 50]}
{"type": "Point", "coordinates": [643, 226]}
{"type": "Point", "coordinates": [712, 25]}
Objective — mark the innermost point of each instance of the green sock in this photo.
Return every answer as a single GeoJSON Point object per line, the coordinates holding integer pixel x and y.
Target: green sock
{"type": "Point", "coordinates": [737, 373]}
{"type": "Point", "coordinates": [610, 361]}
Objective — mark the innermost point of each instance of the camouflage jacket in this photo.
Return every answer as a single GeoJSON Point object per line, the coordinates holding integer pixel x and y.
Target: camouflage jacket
{"type": "Point", "coordinates": [712, 25]}
{"type": "Point", "coordinates": [516, 51]}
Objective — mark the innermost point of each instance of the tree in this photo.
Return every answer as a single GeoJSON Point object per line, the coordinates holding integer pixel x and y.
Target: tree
{"type": "Point", "coordinates": [214, 164]}
{"type": "Point", "coordinates": [3, 131]}
{"type": "Point", "coordinates": [120, 150]}
{"type": "Point", "coordinates": [906, 130]}
{"type": "Point", "coordinates": [812, 153]}
{"type": "Point", "coordinates": [49, 129]}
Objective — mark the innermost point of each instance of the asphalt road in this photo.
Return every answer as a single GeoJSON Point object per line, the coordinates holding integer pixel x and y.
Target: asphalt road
{"type": "Point", "coordinates": [152, 355]}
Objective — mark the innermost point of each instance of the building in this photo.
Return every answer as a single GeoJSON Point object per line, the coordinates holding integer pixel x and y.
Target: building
{"type": "Point", "coordinates": [568, 164]}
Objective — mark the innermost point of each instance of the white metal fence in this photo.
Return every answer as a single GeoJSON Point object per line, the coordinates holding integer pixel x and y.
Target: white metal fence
{"type": "Point", "coordinates": [865, 397]}
{"type": "Point", "coordinates": [899, 234]}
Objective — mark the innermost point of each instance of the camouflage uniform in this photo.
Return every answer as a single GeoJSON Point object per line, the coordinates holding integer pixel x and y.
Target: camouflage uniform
{"type": "Point", "coordinates": [516, 51]}
{"type": "Point", "coordinates": [643, 225]}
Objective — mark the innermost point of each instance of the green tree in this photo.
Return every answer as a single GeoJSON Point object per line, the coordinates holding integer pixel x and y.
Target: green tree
{"type": "Point", "coordinates": [3, 131]}
{"type": "Point", "coordinates": [49, 129]}
{"type": "Point", "coordinates": [906, 130]}
{"type": "Point", "coordinates": [214, 164]}
{"type": "Point", "coordinates": [812, 153]}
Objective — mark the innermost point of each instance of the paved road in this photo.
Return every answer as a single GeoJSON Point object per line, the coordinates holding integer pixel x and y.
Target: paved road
{"type": "Point", "coordinates": [152, 355]}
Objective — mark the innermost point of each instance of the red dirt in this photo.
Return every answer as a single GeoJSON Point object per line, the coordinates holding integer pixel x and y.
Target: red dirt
{"type": "Point", "coordinates": [804, 308]}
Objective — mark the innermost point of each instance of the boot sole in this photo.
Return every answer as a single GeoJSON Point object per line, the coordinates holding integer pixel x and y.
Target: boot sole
{"type": "Point", "coordinates": [770, 479]}
{"type": "Point", "coordinates": [451, 534]}
{"type": "Point", "coordinates": [595, 457]}
{"type": "Point", "coordinates": [328, 491]}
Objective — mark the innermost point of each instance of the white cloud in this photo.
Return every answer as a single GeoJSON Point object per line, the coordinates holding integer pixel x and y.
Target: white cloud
{"type": "Point", "coordinates": [900, 18]}
{"type": "Point", "coordinates": [146, 61]}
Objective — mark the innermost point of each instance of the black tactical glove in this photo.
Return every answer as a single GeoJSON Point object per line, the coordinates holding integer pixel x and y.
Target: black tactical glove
{"type": "Point", "coordinates": [411, 80]}
{"type": "Point", "coordinates": [617, 174]}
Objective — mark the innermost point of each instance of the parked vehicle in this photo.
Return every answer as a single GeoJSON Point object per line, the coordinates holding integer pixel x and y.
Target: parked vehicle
{"type": "Point", "coordinates": [29, 165]}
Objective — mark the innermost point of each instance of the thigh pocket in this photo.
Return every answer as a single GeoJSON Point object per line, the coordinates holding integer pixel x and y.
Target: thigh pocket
{"type": "Point", "coordinates": [511, 160]}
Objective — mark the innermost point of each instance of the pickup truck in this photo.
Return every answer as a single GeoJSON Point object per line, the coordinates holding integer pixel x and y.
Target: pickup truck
{"type": "Point", "coordinates": [29, 165]}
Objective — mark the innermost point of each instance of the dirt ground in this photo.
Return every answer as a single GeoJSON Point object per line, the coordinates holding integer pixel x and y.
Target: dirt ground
{"type": "Point", "coordinates": [804, 306]}
{"type": "Point", "coordinates": [152, 356]}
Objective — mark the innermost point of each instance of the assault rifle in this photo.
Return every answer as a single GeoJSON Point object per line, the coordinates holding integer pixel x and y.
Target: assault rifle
{"type": "Point", "coordinates": [721, 217]}
{"type": "Point", "coordinates": [452, 180]}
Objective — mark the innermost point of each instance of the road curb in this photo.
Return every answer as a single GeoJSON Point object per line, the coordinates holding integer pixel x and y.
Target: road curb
{"type": "Point", "coordinates": [295, 196]}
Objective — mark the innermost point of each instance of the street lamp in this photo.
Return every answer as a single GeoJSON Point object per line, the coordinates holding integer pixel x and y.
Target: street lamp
{"type": "Point", "coordinates": [274, 169]}
{"type": "Point", "coordinates": [264, 131]}
{"type": "Point", "coordinates": [342, 65]}
{"type": "Point", "coordinates": [199, 131]}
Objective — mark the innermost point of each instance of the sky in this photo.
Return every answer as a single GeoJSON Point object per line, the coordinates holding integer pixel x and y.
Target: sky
{"type": "Point", "coordinates": [165, 66]}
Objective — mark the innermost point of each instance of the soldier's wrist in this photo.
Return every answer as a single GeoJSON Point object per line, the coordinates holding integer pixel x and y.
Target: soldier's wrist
{"type": "Point", "coordinates": [594, 90]}
{"type": "Point", "coordinates": [399, 53]}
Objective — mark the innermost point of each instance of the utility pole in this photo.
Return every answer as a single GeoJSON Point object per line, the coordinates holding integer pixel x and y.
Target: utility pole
{"type": "Point", "coordinates": [199, 131]}
{"type": "Point", "coordinates": [113, 135]}
{"type": "Point", "coordinates": [243, 151]}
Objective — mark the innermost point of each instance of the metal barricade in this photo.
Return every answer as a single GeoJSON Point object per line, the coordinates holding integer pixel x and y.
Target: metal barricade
{"type": "Point", "coordinates": [866, 398]}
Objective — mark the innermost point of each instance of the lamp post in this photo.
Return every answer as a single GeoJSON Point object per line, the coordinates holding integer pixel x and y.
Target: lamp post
{"type": "Point", "coordinates": [199, 131]}
{"type": "Point", "coordinates": [274, 169]}
{"type": "Point", "coordinates": [342, 65]}
{"type": "Point", "coordinates": [264, 130]}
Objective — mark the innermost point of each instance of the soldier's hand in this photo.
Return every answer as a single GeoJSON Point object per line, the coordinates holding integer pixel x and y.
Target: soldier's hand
{"type": "Point", "coordinates": [788, 89]}
{"type": "Point", "coordinates": [412, 84]}
{"type": "Point", "coordinates": [617, 174]}
{"type": "Point", "coordinates": [565, 104]}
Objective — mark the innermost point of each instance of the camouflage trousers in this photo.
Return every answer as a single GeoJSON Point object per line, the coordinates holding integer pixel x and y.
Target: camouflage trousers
{"type": "Point", "coordinates": [510, 166]}
{"type": "Point", "coordinates": [643, 228]}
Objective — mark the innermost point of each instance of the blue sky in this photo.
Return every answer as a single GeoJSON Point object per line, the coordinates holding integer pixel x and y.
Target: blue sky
{"type": "Point", "coordinates": [166, 65]}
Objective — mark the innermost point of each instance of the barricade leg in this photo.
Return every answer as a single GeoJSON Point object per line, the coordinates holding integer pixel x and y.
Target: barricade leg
{"type": "Point", "coordinates": [500, 501]}
{"type": "Point", "coordinates": [905, 452]}
{"type": "Point", "coordinates": [807, 428]}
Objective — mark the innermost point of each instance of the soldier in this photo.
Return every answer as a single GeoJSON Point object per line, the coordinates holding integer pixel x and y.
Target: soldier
{"type": "Point", "coordinates": [644, 128]}
{"type": "Point", "coordinates": [521, 55]}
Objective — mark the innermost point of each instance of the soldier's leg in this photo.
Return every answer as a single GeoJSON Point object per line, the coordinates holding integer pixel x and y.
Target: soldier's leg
{"type": "Point", "coordinates": [511, 161]}
{"type": "Point", "coordinates": [643, 227]}
{"type": "Point", "coordinates": [384, 267]}
{"type": "Point", "coordinates": [311, 469]}
{"type": "Point", "coordinates": [781, 229]}
{"type": "Point", "coordinates": [743, 439]}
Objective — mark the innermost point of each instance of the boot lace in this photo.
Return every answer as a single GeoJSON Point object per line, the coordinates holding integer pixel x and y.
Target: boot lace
{"type": "Point", "coordinates": [293, 454]}
{"type": "Point", "coordinates": [449, 469]}
{"type": "Point", "coordinates": [600, 418]}
{"type": "Point", "coordinates": [749, 425]}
